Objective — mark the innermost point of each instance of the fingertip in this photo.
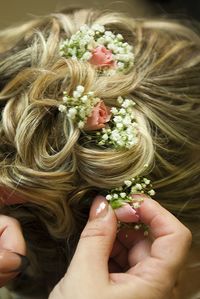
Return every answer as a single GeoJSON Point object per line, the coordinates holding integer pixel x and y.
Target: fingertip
{"type": "Point", "coordinates": [127, 214]}
{"type": "Point", "coordinates": [99, 208]}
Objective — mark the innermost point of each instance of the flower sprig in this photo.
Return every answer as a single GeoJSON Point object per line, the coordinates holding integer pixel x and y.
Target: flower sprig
{"type": "Point", "coordinates": [100, 47]}
{"type": "Point", "coordinates": [122, 195]}
{"type": "Point", "coordinates": [122, 130]}
{"type": "Point", "coordinates": [115, 127]}
{"type": "Point", "coordinates": [79, 106]}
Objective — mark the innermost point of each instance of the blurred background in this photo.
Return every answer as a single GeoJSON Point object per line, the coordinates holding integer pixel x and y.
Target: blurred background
{"type": "Point", "coordinates": [13, 11]}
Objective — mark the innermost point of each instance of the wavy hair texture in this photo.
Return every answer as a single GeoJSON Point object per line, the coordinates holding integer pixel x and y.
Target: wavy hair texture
{"type": "Point", "coordinates": [50, 162]}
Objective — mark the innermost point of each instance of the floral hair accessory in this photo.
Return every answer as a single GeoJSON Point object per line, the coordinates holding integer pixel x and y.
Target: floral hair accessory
{"type": "Point", "coordinates": [123, 195]}
{"type": "Point", "coordinates": [100, 47]}
{"type": "Point", "coordinates": [80, 108]}
{"type": "Point", "coordinates": [116, 127]}
{"type": "Point", "coordinates": [122, 130]}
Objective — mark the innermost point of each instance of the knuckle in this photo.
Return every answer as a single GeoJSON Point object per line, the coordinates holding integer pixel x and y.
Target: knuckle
{"type": "Point", "coordinates": [188, 235]}
{"type": "Point", "coordinates": [14, 222]}
{"type": "Point", "coordinates": [4, 219]}
{"type": "Point", "coordinates": [3, 255]}
{"type": "Point", "coordinates": [92, 231]}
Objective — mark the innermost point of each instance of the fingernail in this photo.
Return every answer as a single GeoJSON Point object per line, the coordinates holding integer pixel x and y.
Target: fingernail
{"type": "Point", "coordinates": [127, 214]}
{"type": "Point", "coordinates": [99, 208]}
{"type": "Point", "coordinates": [11, 262]}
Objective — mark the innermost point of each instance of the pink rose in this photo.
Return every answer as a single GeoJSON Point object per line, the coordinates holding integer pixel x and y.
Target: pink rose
{"type": "Point", "coordinates": [100, 115]}
{"type": "Point", "coordinates": [102, 57]}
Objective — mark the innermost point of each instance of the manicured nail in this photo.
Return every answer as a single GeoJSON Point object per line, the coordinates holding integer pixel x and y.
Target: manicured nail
{"type": "Point", "coordinates": [11, 262]}
{"type": "Point", "coordinates": [99, 208]}
{"type": "Point", "coordinates": [127, 214]}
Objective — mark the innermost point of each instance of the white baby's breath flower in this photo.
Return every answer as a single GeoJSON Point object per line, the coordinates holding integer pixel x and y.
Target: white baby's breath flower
{"type": "Point", "coordinates": [105, 136]}
{"type": "Point", "coordinates": [84, 99]}
{"type": "Point", "coordinates": [87, 56]}
{"type": "Point", "coordinates": [136, 205]}
{"type": "Point", "coordinates": [97, 27]}
{"type": "Point", "coordinates": [127, 120]}
{"type": "Point", "coordinates": [61, 108]}
{"type": "Point", "coordinates": [138, 186]}
{"type": "Point", "coordinates": [122, 111]}
{"type": "Point", "coordinates": [114, 110]}
{"type": "Point", "coordinates": [72, 113]}
{"type": "Point", "coordinates": [123, 194]}
{"type": "Point", "coordinates": [81, 124]}
{"type": "Point", "coordinates": [108, 197]}
{"type": "Point", "coordinates": [78, 107]}
{"type": "Point", "coordinates": [137, 227]}
{"type": "Point", "coordinates": [80, 89]}
{"type": "Point", "coordinates": [120, 125]}
{"type": "Point", "coordinates": [120, 100]}
{"type": "Point", "coordinates": [118, 119]}
{"type": "Point", "coordinates": [128, 183]}
{"type": "Point", "coordinates": [76, 94]}
{"type": "Point", "coordinates": [81, 45]}
{"type": "Point", "coordinates": [151, 192]}
{"type": "Point", "coordinates": [119, 36]}
{"type": "Point", "coordinates": [147, 182]}
{"type": "Point", "coordinates": [127, 103]}
{"type": "Point", "coordinates": [120, 65]}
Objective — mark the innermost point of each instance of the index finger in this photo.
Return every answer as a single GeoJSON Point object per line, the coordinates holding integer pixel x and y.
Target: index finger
{"type": "Point", "coordinates": [172, 239]}
{"type": "Point", "coordinates": [11, 236]}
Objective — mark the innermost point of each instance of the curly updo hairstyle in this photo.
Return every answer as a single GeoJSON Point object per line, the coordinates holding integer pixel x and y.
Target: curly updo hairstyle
{"type": "Point", "coordinates": [46, 159]}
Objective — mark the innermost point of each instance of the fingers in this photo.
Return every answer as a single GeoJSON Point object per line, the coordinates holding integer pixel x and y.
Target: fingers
{"type": "Point", "coordinates": [10, 265]}
{"type": "Point", "coordinates": [119, 256]}
{"type": "Point", "coordinates": [11, 236]}
{"type": "Point", "coordinates": [139, 252]}
{"type": "Point", "coordinates": [12, 249]}
{"type": "Point", "coordinates": [155, 266]}
{"type": "Point", "coordinates": [127, 214]}
{"type": "Point", "coordinates": [96, 242]}
{"type": "Point", "coordinates": [170, 246]}
{"type": "Point", "coordinates": [172, 239]}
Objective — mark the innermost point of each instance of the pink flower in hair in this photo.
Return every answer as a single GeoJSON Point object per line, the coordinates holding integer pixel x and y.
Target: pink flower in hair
{"type": "Point", "coordinates": [100, 115]}
{"type": "Point", "coordinates": [102, 57]}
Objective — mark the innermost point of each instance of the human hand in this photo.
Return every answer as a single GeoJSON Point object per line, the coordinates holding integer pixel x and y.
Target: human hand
{"type": "Point", "coordinates": [140, 267]}
{"type": "Point", "coordinates": [12, 249]}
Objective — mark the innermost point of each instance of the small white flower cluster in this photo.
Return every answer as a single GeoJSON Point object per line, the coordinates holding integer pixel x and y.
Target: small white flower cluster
{"type": "Point", "coordinates": [121, 195]}
{"type": "Point", "coordinates": [82, 43]}
{"type": "Point", "coordinates": [122, 130]}
{"type": "Point", "coordinates": [78, 107]}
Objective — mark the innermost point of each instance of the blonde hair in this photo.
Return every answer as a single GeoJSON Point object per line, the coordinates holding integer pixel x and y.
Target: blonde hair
{"type": "Point", "coordinates": [46, 158]}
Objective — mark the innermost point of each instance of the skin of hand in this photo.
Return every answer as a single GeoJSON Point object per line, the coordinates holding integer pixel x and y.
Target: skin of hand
{"type": "Point", "coordinates": [12, 249]}
{"type": "Point", "coordinates": [126, 265]}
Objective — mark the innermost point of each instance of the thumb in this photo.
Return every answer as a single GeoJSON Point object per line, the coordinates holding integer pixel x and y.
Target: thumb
{"type": "Point", "coordinates": [96, 242]}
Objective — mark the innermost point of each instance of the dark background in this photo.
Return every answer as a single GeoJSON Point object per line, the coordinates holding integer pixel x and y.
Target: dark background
{"type": "Point", "coordinates": [13, 11]}
{"type": "Point", "coordinates": [190, 8]}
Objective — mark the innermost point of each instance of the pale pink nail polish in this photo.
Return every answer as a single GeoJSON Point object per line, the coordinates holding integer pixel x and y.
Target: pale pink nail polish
{"type": "Point", "coordinates": [127, 214]}
{"type": "Point", "coordinates": [99, 208]}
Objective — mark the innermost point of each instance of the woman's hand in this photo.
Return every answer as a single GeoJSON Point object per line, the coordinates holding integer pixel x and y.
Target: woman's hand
{"type": "Point", "coordinates": [140, 267]}
{"type": "Point", "coordinates": [12, 249]}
